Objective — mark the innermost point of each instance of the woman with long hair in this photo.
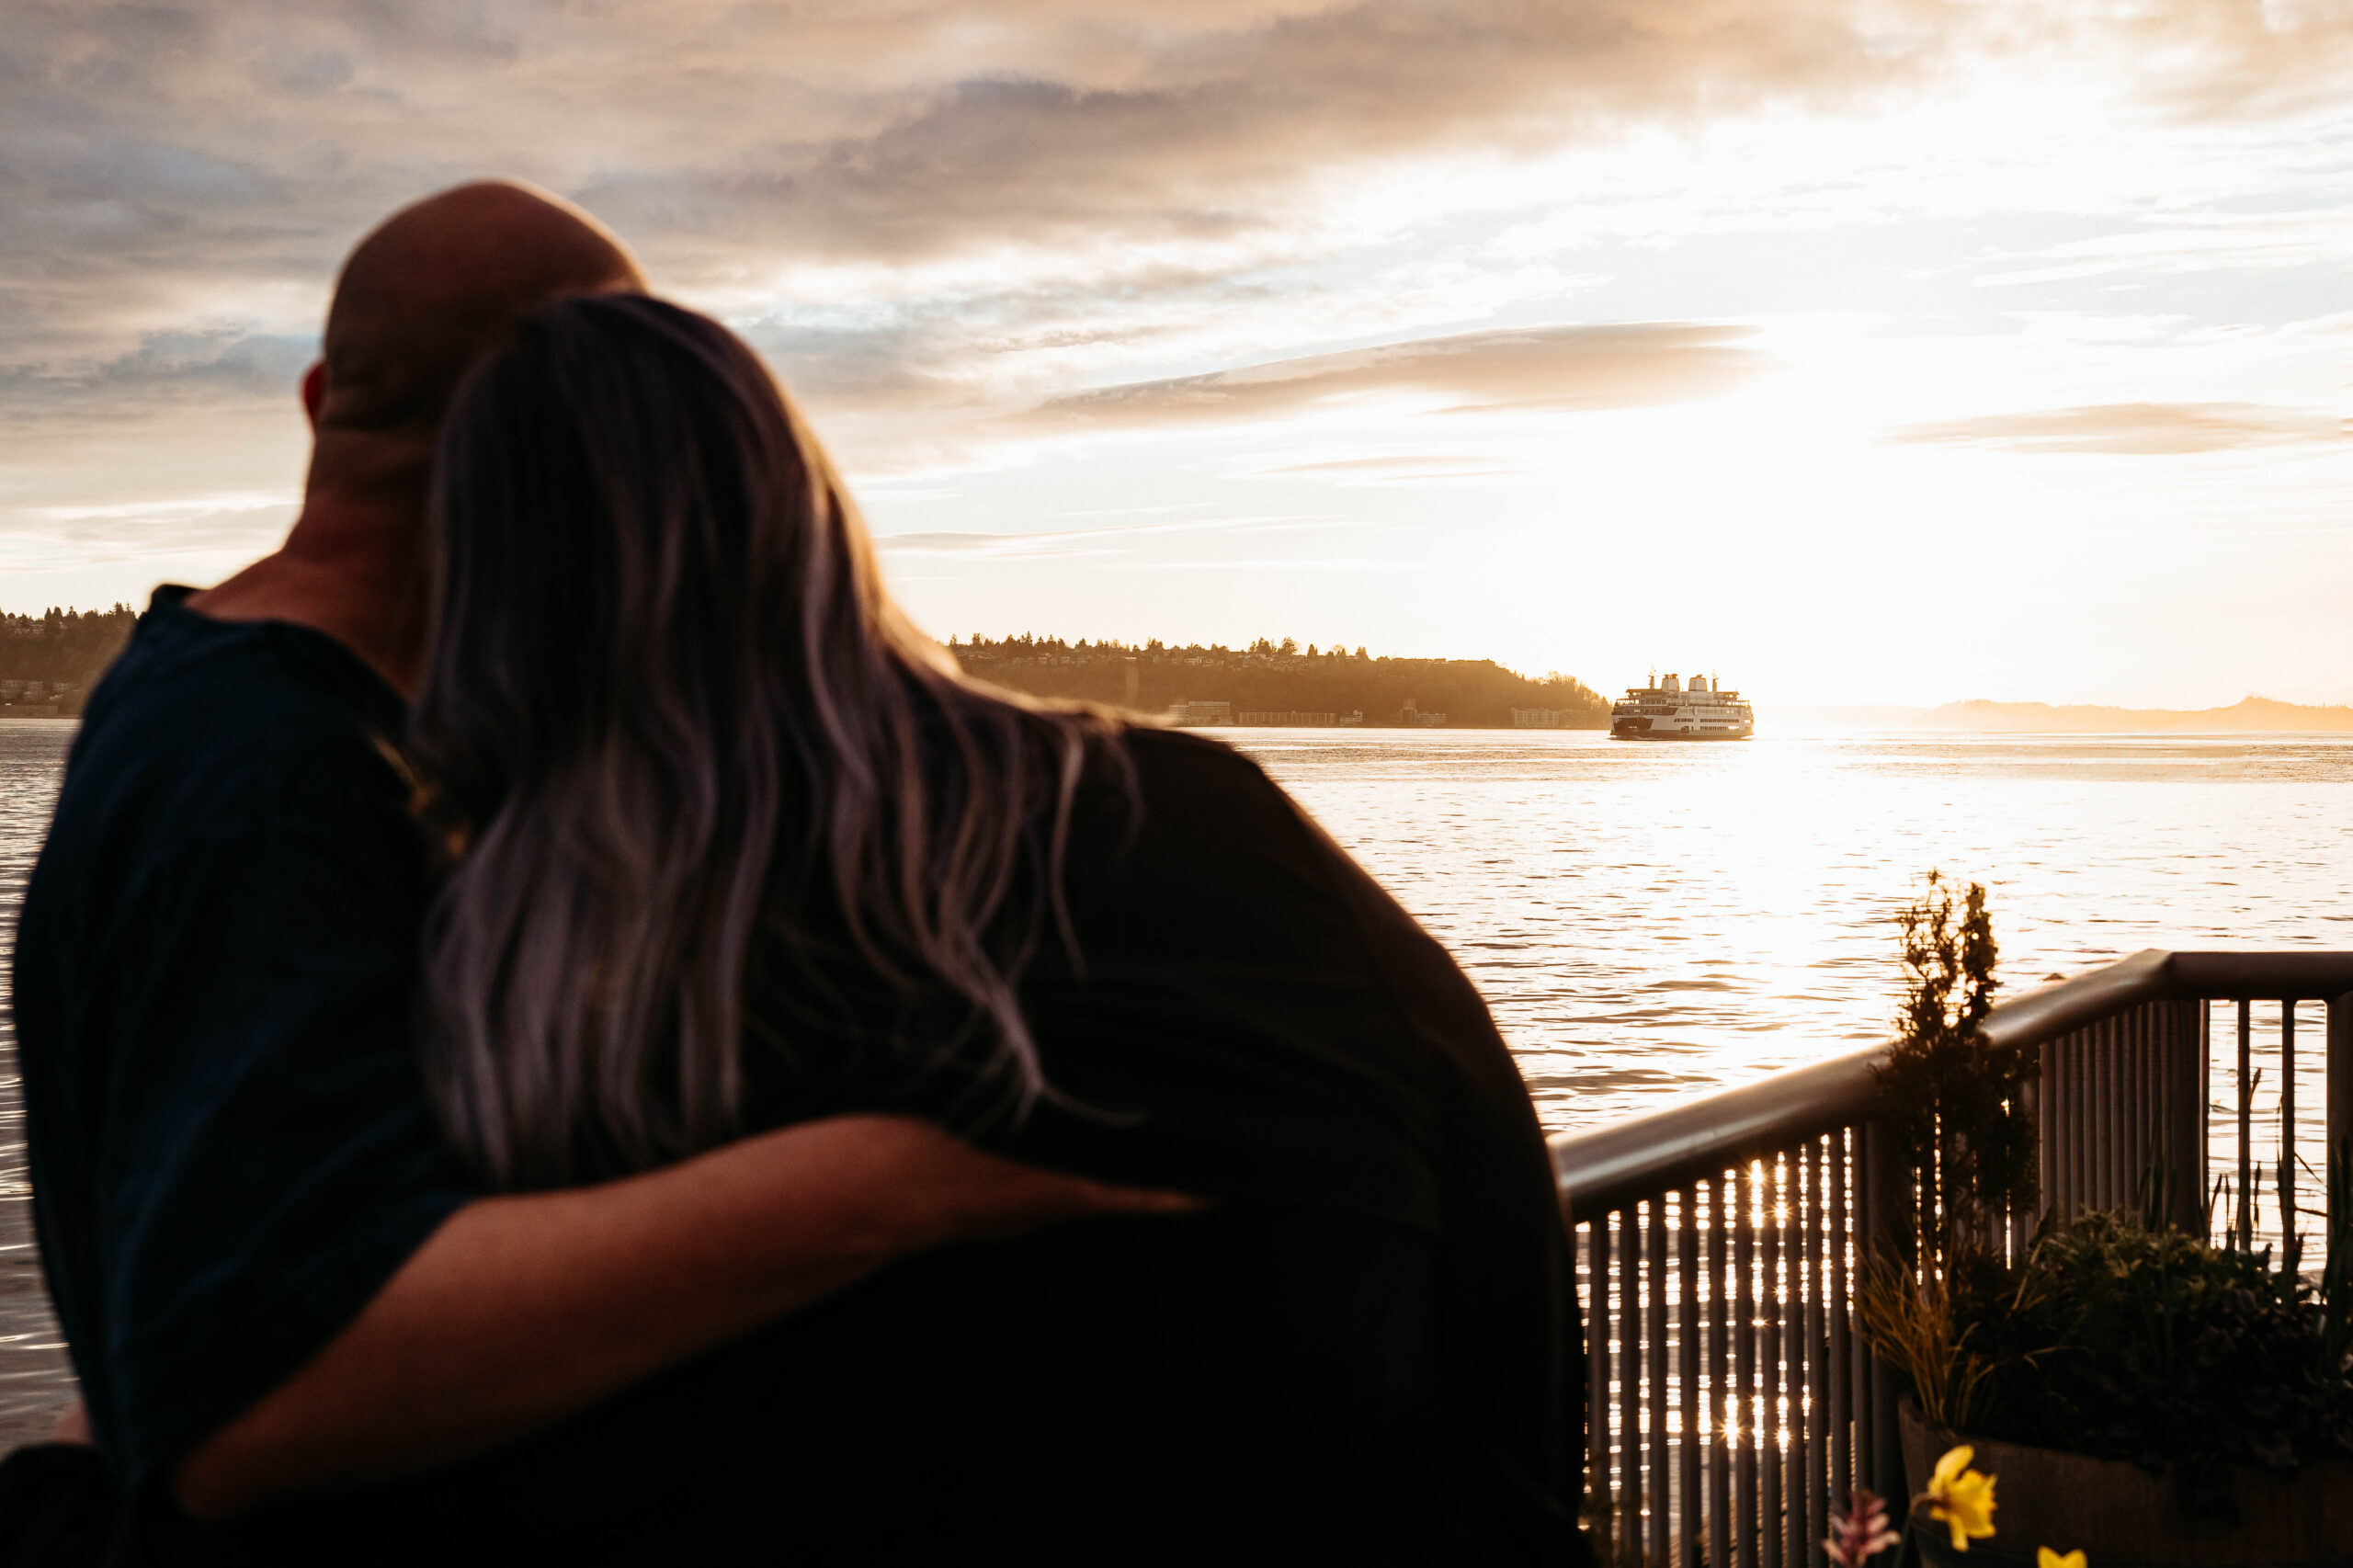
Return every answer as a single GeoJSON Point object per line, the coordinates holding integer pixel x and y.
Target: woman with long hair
{"type": "Point", "coordinates": [732, 845]}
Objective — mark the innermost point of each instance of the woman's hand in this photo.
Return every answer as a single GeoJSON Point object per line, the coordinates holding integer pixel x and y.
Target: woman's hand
{"type": "Point", "coordinates": [946, 1190]}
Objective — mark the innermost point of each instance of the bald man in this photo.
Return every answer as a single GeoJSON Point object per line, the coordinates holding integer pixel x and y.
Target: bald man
{"type": "Point", "coordinates": [275, 1279]}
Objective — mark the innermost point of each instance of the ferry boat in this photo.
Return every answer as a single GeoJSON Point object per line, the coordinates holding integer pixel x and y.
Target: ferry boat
{"type": "Point", "coordinates": [1669, 710]}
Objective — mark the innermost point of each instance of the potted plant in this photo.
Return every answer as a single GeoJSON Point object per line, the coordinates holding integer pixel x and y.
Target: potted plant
{"type": "Point", "coordinates": [2139, 1394]}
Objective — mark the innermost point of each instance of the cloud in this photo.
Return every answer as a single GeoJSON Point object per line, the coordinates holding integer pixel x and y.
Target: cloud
{"type": "Point", "coordinates": [1170, 121]}
{"type": "Point", "coordinates": [215, 369]}
{"type": "Point", "coordinates": [1096, 542]}
{"type": "Point", "coordinates": [54, 536]}
{"type": "Point", "coordinates": [1554, 368]}
{"type": "Point", "coordinates": [945, 224]}
{"type": "Point", "coordinates": [2135, 428]}
{"type": "Point", "coordinates": [1403, 470]}
{"type": "Point", "coordinates": [2175, 243]}
{"type": "Point", "coordinates": [216, 357]}
{"type": "Point", "coordinates": [163, 156]}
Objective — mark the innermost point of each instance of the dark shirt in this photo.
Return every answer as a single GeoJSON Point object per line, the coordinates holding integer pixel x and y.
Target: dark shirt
{"type": "Point", "coordinates": [1381, 1315]}
{"type": "Point", "coordinates": [230, 1146]}
{"type": "Point", "coordinates": [1366, 1353]}
{"type": "Point", "coordinates": [1367, 1350]}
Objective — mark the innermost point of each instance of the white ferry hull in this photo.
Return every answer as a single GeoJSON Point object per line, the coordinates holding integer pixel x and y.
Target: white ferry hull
{"type": "Point", "coordinates": [1628, 732]}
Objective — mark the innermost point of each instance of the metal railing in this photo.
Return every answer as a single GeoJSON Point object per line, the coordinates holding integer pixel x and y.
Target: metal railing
{"type": "Point", "coordinates": [1731, 1400]}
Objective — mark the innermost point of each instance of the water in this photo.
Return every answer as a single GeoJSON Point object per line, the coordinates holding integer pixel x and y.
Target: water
{"type": "Point", "coordinates": [33, 1375]}
{"type": "Point", "coordinates": [1650, 921]}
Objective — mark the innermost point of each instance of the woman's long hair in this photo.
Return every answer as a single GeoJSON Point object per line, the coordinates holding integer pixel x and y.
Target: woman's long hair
{"type": "Point", "coordinates": [672, 729]}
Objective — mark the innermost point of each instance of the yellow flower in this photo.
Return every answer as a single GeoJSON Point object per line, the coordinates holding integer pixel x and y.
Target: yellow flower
{"type": "Point", "coordinates": [1961, 1499]}
{"type": "Point", "coordinates": [2046, 1557]}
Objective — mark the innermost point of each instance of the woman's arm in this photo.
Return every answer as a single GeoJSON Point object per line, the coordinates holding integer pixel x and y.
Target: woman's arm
{"type": "Point", "coordinates": [522, 1310]}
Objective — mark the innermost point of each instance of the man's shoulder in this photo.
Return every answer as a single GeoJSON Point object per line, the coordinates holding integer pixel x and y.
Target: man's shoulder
{"type": "Point", "coordinates": [231, 729]}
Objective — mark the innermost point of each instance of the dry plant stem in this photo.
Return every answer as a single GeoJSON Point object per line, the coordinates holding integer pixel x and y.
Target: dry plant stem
{"type": "Point", "coordinates": [1909, 1322]}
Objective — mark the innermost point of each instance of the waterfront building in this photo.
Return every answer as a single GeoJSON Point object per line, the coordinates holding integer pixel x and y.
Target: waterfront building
{"type": "Point", "coordinates": [1414, 718]}
{"type": "Point", "coordinates": [1195, 714]}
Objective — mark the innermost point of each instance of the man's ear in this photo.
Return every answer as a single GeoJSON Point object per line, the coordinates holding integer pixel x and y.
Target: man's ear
{"type": "Point", "coordinates": [314, 390]}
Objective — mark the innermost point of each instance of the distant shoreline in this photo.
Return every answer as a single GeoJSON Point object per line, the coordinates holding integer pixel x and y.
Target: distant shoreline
{"type": "Point", "coordinates": [2252, 715]}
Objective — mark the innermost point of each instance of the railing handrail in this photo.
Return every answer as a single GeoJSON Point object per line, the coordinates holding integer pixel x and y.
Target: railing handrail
{"type": "Point", "coordinates": [1597, 1170]}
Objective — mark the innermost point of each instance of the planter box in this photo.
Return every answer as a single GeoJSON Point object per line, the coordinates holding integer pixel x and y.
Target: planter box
{"type": "Point", "coordinates": [2122, 1517]}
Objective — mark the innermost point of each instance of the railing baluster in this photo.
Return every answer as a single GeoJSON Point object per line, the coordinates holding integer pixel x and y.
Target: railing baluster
{"type": "Point", "coordinates": [2107, 1114]}
{"type": "Point", "coordinates": [1842, 1392]}
{"type": "Point", "coordinates": [1815, 1385]}
{"type": "Point", "coordinates": [2187, 1120]}
{"type": "Point", "coordinates": [2246, 1123]}
{"type": "Point", "coordinates": [2178, 1057]}
{"type": "Point", "coordinates": [2287, 1118]}
{"type": "Point", "coordinates": [1790, 1322]}
{"type": "Point", "coordinates": [2162, 1078]}
{"type": "Point", "coordinates": [1720, 1402]}
{"type": "Point", "coordinates": [1770, 1414]}
{"type": "Point", "coordinates": [2094, 1135]}
{"type": "Point", "coordinates": [2057, 1110]}
{"type": "Point", "coordinates": [2050, 1107]}
{"type": "Point", "coordinates": [1598, 1482]}
{"type": "Point", "coordinates": [1630, 1381]}
{"type": "Point", "coordinates": [1817, 1405]}
{"type": "Point", "coordinates": [2143, 1100]}
{"type": "Point", "coordinates": [2338, 1089]}
{"type": "Point", "coordinates": [1744, 1515]}
{"type": "Point", "coordinates": [2116, 1180]}
{"type": "Point", "coordinates": [2077, 1155]}
{"type": "Point", "coordinates": [1687, 1371]}
{"type": "Point", "coordinates": [2068, 1129]}
{"type": "Point", "coordinates": [2206, 1114]}
{"type": "Point", "coordinates": [2128, 1134]}
{"type": "Point", "coordinates": [1657, 1484]}
{"type": "Point", "coordinates": [2089, 1131]}
{"type": "Point", "coordinates": [1884, 1208]}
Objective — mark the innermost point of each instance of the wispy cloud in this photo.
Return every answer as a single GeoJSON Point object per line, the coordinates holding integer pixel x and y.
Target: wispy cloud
{"type": "Point", "coordinates": [2133, 428]}
{"type": "Point", "coordinates": [1076, 541]}
{"type": "Point", "coordinates": [1555, 367]}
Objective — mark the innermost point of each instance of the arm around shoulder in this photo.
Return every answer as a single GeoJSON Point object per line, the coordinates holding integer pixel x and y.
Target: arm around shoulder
{"type": "Point", "coordinates": [522, 1310]}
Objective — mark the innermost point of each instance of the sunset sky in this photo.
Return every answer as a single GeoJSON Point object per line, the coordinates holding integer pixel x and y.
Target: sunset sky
{"type": "Point", "coordinates": [1887, 352]}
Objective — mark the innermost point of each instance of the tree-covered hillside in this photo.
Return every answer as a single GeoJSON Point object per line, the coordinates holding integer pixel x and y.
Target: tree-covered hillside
{"type": "Point", "coordinates": [54, 657]}
{"type": "Point", "coordinates": [1280, 677]}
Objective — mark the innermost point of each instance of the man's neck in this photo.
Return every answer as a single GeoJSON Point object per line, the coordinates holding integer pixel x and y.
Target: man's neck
{"type": "Point", "coordinates": [353, 568]}
{"type": "Point", "coordinates": [356, 561]}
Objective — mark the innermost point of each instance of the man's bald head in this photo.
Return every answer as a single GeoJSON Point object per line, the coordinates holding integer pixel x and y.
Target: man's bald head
{"type": "Point", "coordinates": [439, 282]}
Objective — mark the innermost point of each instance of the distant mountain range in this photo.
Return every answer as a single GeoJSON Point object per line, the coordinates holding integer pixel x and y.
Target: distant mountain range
{"type": "Point", "coordinates": [2042, 718]}
{"type": "Point", "coordinates": [2250, 715]}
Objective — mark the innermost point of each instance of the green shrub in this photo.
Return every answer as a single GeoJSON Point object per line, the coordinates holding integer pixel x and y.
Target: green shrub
{"type": "Point", "coordinates": [2125, 1342]}
{"type": "Point", "coordinates": [2114, 1336]}
{"type": "Point", "coordinates": [1953, 1099]}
